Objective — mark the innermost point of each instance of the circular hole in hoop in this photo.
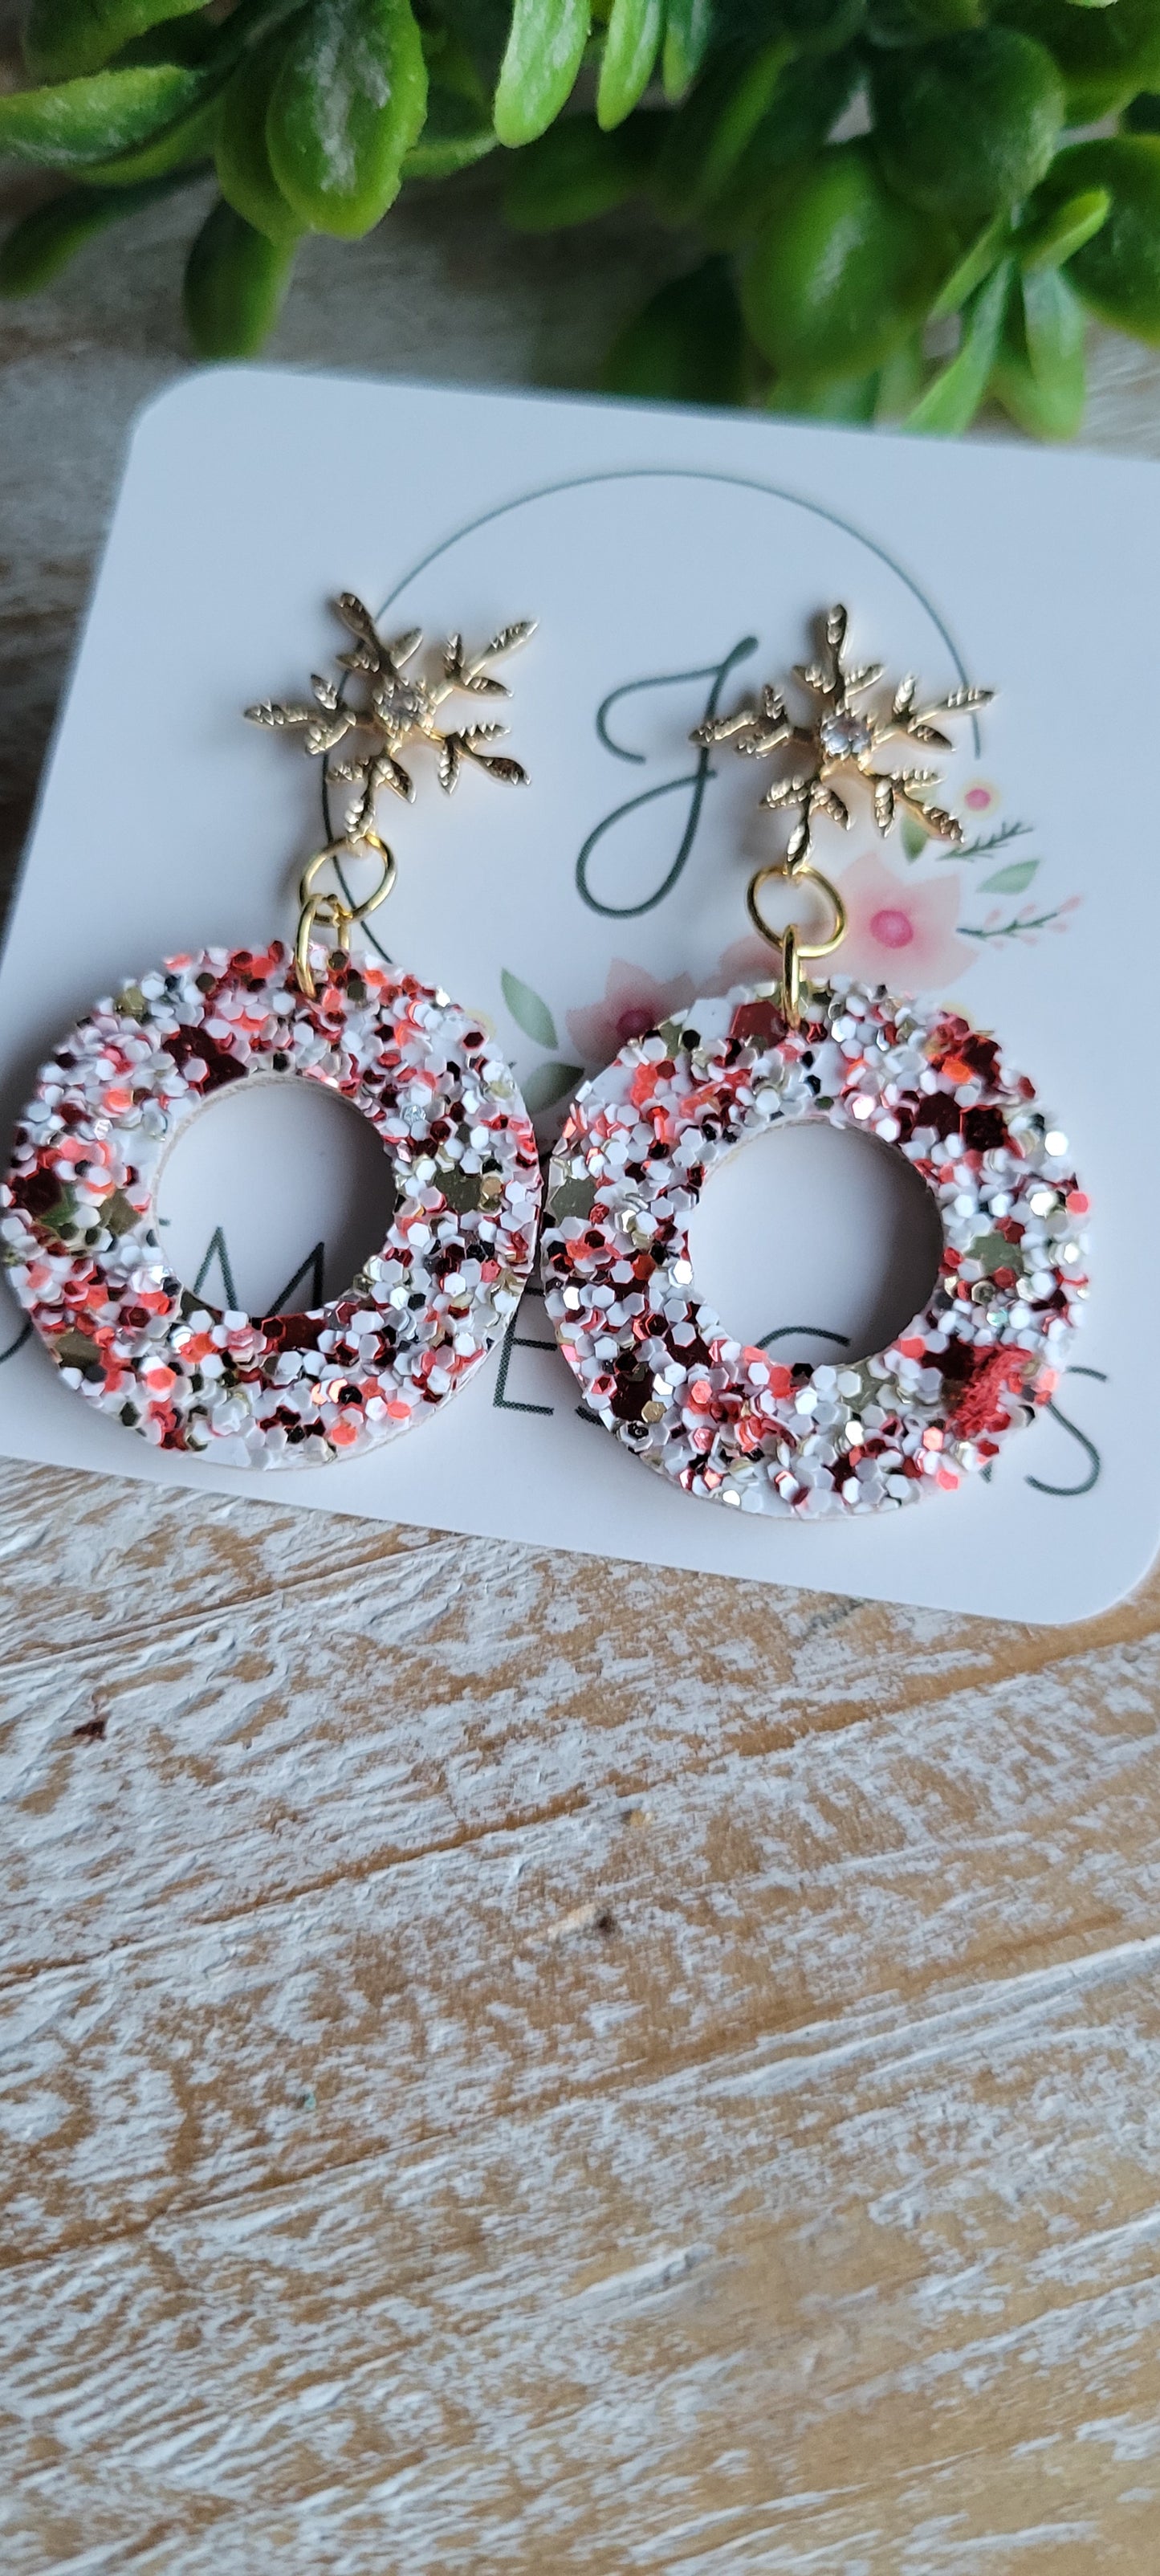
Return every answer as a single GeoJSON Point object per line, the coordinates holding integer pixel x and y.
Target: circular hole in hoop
{"type": "Point", "coordinates": [273, 1195]}
{"type": "Point", "coordinates": [816, 1242]}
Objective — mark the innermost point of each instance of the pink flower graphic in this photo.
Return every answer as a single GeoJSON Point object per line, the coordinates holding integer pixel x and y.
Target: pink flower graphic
{"type": "Point", "coordinates": [748, 961]}
{"type": "Point", "coordinates": [633, 1004]}
{"type": "Point", "coordinates": [900, 933]}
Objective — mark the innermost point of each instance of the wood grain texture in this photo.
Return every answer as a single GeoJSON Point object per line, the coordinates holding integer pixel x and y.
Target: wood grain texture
{"type": "Point", "coordinates": [513, 2063]}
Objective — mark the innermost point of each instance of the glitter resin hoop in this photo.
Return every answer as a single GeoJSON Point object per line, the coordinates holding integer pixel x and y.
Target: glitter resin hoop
{"type": "Point", "coordinates": [78, 1220]}
{"type": "Point", "coordinates": [720, 1417]}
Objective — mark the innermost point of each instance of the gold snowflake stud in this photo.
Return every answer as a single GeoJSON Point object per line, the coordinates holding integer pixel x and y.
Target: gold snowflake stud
{"type": "Point", "coordinates": [843, 740]}
{"type": "Point", "coordinates": [395, 705]}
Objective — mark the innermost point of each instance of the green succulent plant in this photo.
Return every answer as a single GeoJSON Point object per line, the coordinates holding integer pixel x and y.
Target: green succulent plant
{"type": "Point", "coordinates": [901, 208]}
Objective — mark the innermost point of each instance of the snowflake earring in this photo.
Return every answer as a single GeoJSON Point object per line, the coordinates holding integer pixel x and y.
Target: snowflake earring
{"type": "Point", "coordinates": [721, 1418]}
{"type": "Point", "coordinates": [79, 1222]}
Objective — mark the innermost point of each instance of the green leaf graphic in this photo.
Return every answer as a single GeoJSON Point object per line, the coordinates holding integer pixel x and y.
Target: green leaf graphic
{"type": "Point", "coordinates": [549, 1082]}
{"type": "Point", "coordinates": [1011, 880]}
{"type": "Point", "coordinates": [914, 839]}
{"type": "Point", "coordinates": [529, 1011]}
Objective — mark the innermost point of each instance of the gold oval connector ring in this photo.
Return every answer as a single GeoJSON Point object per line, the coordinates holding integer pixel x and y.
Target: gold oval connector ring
{"type": "Point", "coordinates": [794, 947]}
{"type": "Point", "coordinates": [333, 910]}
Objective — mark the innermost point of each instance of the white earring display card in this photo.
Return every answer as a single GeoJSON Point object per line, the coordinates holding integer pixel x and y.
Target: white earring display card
{"type": "Point", "coordinates": [676, 562]}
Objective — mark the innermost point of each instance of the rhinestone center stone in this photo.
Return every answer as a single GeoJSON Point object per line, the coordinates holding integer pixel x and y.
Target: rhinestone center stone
{"type": "Point", "coordinates": [846, 737]}
{"type": "Point", "coordinates": [402, 702]}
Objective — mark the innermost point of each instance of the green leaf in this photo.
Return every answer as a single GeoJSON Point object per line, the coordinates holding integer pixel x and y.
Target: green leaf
{"type": "Point", "coordinates": [1105, 55]}
{"type": "Point", "coordinates": [914, 839]}
{"type": "Point", "coordinates": [450, 61]}
{"type": "Point", "coordinates": [83, 122]}
{"type": "Point", "coordinates": [835, 398]}
{"type": "Point", "coordinates": [691, 130]}
{"type": "Point", "coordinates": [1040, 375]}
{"type": "Point", "coordinates": [544, 52]}
{"type": "Point", "coordinates": [549, 1082]}
{"type": "Point", "coordinates": [804, 104]}
{"type": "Point", "coordinates": [574, 172]}
{"type": "Point", "coordinates": [841, 270]}
{"type": "Point", "coordinates": [1059, 235]}
{"type": "Point", "coordinates": [479, 29]}
{"type": "Point", "coordinates": [1117, 272]}
{"type": "Point", "coordinates": [743, 111]}
{"type": "Point", "coordinates": [967, 125]}
{"type": "Point", "coordinates": [235, 280]}
{"type": "Point", "coordinates": [900, 382]}
{"type": "Point", "coordinates": [949, 404]}
{"type": "Point", "coordinates": [66, 37]}
{"type": "Point", "coordinates": [976, 264]}
{"type": "Point", "coordinates": [529, 1011]}
{"type": "Point", "coordinates": [457, 133]}
{"type": "Point", "coordinates": [37, 249]}
{"type": "Point", "coordinates": [1053, 323]}
{"type": "Point", "coordinates": [631, 46]}
{"type": "Point", "coordinates": [189, 139]}
{"type": "Point", "coordinates": [347, 107]}
{"type": "Point", "coordinates": [1013, 880]}
{"type": "Point", "coordinates": [190, 41]}
{"type": "Point", "coordinates": [688, 25]}
{"type": "Point", "coordinates": [183, 127]}
{"type": "Point", "coordinates": [687, 345]}
{"type": "Point", "coordinates": [243, 163]}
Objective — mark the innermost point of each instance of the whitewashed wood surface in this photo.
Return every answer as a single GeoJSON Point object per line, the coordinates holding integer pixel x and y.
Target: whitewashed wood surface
{"type": "Point", "coordinates": [519, 2063]}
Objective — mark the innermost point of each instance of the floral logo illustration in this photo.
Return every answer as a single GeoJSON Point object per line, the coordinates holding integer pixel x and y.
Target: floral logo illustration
{"type": "Point", "coordinates": [913, 932]}
{"type": "Point", "coordinates": [1005, 921]}
{"type": "Point", "coordinates": [904, 935]}
{"type": "Point", "coordinates": [633, 1004]}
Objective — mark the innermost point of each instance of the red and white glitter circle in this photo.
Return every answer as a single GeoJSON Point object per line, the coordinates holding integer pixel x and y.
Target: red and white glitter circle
{"type": "Point", "coordinates": [721, 1417]}
{"type": "Point", "coordinates": [78, 1219]}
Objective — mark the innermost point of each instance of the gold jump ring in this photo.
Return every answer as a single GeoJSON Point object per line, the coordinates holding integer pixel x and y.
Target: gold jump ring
{"type": "Point", "coordinates": [805, 947]}
{"type": "Point", "coordinates": [333, 909]}
{"type": "Point", "coordinates": [793, 945]}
